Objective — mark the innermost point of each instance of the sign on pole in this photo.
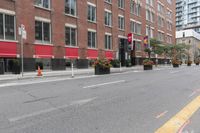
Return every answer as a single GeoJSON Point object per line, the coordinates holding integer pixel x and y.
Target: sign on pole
{"type": "Point", "coordinates": [146, 41]}
{"type": "Point", "coordinates": [130, 40]}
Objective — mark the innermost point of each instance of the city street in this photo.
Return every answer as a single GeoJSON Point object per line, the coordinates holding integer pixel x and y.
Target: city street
{"type": "Point", "coordinates": [158, 101]}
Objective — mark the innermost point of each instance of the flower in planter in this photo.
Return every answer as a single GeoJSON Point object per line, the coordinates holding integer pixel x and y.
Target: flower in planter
{"type": "Point", "coordinates": [102, 63]}
{"type": "Point", "coordinates": [148, 62]}
{"type": "Point", "coordinates": [189, 62]}
{"type": "Point", "coordinates": [176, 62]}
{"type": "Point", "coordinates": [196, 61]}
{"type": "Point", "coordinates": [115, 63]}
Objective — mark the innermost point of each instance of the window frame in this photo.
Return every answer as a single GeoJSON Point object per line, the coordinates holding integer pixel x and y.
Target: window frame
{"type": "Point", "coordinates": [121, 4]}
{"type": "Point", "coordinates": [120, 26]}
{"type": "Point", "coordinates": [70, 38]}
{"type": "Point", "coordinates": [108, 14]}
{"type": "Point", "coordinates": [108, 43]}
{"type": "Point", "coordinates": [93, 33]}
{"type": "Point", "coordinates": [75, 8]}
{"type": "Point", "coordinates": [50, 37]}
{"type": "Point", "coordinates": [90, 10]}
{"type": "Point", "coordinates": [4, 26]}
{"type": "Point", "coordinates": [42, 4]}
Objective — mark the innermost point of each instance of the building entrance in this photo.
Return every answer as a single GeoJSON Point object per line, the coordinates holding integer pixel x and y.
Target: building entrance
{"type": "Point", "coordinates": [123, 50]}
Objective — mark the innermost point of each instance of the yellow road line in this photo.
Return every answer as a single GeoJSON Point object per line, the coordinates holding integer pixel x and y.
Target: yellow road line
{"type": "Point", "coordinates": [176, 122]}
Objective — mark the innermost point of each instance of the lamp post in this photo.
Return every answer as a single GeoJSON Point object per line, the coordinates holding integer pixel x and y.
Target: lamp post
{"type": "Point", "coordinates": [22, 33]}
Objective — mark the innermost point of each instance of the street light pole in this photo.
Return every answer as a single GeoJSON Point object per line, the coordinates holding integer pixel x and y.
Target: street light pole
{"type": "Point", "coordinates": [22, 56]}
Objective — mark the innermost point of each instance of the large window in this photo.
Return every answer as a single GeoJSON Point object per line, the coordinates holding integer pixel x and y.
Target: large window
{"type": "Point", "coordinates": [132, 6]}
{"type": "Point", "coordinates": [138, 9]}
{"type": "Point", "coordinates": [70, 36]}
{"type": "Point", "coordinates": [121, 22]}
{"type": "Point", "coordinates": [161, 36]}
{"type": "Point", "coordinates": [108, 41]}
{"type": "Point", "coordinates": [43, 3]}
{"type": "Point", "coordinates": [161, 21]}
{"type": "Point", "coordinates": [91, 39]}
{"type": "Point", "coordinates": [121, 3]}
{"type": "Point", "coordinates": [7, 27]}
{"type": "Point", "coordinates": [108, 18]}
{"type": "Point", "coordinates": [150, 31]}
{"type": "Point", "coordinates": [150, 16]}
{"type": "Point", "coordinates": [150, 2]}
{"type": "Point", "coordinates": [109, 1]}
{"type": "Point", "coordinates": [160, 8]}
{"type": "Point", "coordinates": [91, 13]}
{"type": "Point", "coordinates": [169, 26]}
{"type": "Point", "coordinates": [42, 31]}
{"type": "Point", "coordinates": [70, 7]}
{"type": "Point", "coordinates": [136, 27]}
{"type": "Point", "coordinates": [138, 46]}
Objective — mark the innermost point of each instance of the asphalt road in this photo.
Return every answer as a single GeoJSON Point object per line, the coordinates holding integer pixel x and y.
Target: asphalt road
{"type": "Point", "coordinates": [131, 102]}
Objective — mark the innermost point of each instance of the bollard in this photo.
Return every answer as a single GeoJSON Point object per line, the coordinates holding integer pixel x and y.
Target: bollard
{"type": "Point", "coordinates": [72, 70]}
{"type": "Point", "coordinates": [120, 66]}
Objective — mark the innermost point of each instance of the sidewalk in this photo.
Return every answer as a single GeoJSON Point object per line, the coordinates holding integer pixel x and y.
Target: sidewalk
{"type": "Point", "coordinates": [68, 72]}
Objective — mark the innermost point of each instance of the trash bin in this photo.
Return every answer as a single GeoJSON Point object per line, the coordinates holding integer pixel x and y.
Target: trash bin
{"type": "Point", "coordinates": [1, 67]}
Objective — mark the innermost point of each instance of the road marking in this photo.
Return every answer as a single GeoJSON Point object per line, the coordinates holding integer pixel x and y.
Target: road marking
{"type": "Point", "coordinates": [161, 114]}
{"type": "Point", "coordinates": [176, 122]}
{"type": "Point", "coordinates": [192, 94]}
{"type": "Point", "coordinates": [64, 79]}
{"type": "Point", "coordinates": [184, 126]}
{"type": "Point", "coordinates": [102, 84]}
{"type": "Point", "coordinates": [46, 81]}
{"type": "Point", "coordinates": [172, 72]}
{"type": "Point", "coordinates": [80, 102]}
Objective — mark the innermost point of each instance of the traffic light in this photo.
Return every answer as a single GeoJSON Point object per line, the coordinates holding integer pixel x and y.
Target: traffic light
{"type": "Point", "coordinates": [129, 47]}
{"type": "Point", "coordinates": [130, 39]}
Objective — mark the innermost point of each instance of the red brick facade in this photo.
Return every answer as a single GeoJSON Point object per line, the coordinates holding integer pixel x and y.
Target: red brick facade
{"type": "Point", "coordinates": [25, 14]}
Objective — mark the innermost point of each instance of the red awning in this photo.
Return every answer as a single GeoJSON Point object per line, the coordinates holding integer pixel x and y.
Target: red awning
{"type": "Point", "coordinates": [109, 54]}
{"type": "Point", "coordinates": [92, 54]}
{"type": "Point", "coordinates": [71, 53]}
{"type": "Point", "coordinates": [8, 49]}
{"type": "Point", "coordinates": [43, 51]}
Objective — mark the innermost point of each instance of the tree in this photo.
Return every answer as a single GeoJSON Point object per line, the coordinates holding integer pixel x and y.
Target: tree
{"type": "Point", "coordinates": [155, 47]}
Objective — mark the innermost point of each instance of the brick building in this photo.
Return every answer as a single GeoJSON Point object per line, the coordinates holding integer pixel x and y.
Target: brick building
{"type": "Point", "coordinates": [82, 30]}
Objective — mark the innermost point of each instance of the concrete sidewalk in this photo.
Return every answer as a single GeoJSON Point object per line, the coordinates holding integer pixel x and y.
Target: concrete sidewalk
{"type": "Point", "coordinates": [68, 72]}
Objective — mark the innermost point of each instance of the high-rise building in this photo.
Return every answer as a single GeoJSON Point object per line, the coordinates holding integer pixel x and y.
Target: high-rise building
{"type": "Point", "coordinates": [81, 30]}
{"type": "Point", "coordinates": [188, 15]}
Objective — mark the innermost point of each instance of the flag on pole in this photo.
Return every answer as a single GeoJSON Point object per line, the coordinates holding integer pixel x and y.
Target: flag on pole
{"type": "Point", "coordinates": [146, 41]}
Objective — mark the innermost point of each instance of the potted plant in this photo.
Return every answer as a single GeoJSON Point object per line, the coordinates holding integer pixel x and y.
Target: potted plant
{"type": "Point", "coordinates": [102, 66]}
{"type": "Point", "coordinates": [196, 61]}
{"type": "Point", "coordinates": [189, 63]}
{"type": "Point", "coordinates": [115, 63]}
{"type": "Point", "coordinates": [176, 63]}
{"type": "Point", "coordinates": [148, 64]}
{"type": "Point", "coordinates": [16, 66]}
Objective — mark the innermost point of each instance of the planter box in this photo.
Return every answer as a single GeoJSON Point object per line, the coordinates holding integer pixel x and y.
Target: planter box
{"type": "Point", "coordinates": [188, 64]}
{"type": "Point", "coordinates": [148, 67]}
{"type": "Point", "coordinates": [175, 65]}
{"type": "Point", "coordinates": [101, 70]}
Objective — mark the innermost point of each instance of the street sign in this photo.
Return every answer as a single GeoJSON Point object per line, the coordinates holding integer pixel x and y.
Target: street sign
{"type": "Point", "coordinates": [22, 31]}
{"type": "Point", "coordinates": [24, 35]}
{"type": "Point", "coordinates": [130, 42]}
{"type": "Point", "coordinates": [130, 37]}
